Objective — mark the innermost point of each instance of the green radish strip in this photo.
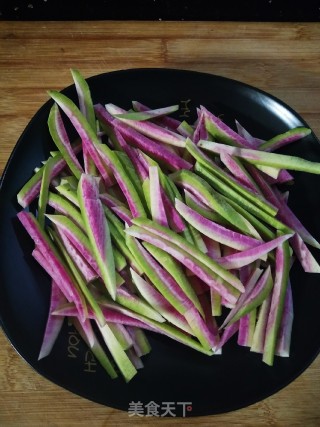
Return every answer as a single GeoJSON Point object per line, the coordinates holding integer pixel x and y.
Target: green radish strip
{"type": "Point", "coordinates": [84, 96]}
{"type": "Point", "coordinates": [202, 209]}
{"type": "Point", "coordinates": [32, 187]}
{"type": "Point", "coordinates": [228, 180]}
{"type": "Point", "coordinates": [160, 304]}
{"type": "Point", "coordinates": [77, 237]}
{"type": "Point", "coordinates": [123, 362]}
{"type": "Point", "coordinates": [82, 264]}
{"type": "Point", "coordinates": [182, 243]}
{"type": "Point", "coordinates": [149, 129]}
{"type": "Point", "coordinates": [54, 323]}
{"type": "Point", "coordinates": [70, 194]}
{"type": "Point", "coordinates": [119, 259]}
{"type": "Point", "coordinates": [165, 121]}
{"type": "Point", "coordinates": [162, 328]}
{"type": "Point", "coordinates": [269, 171]}
{"type": "Point", "coordinates": [168, 194]}
{"type": "Point", "coordinates": [63, 206]}
{"type": "Point", "coordinates": [285, 138]}
{"type": "Point", "coordinates": [250, 282]}
{"type": "Point", "coordinates": [256, 297]}
{"type": "Point", "coordinates": [70, 180]}
{"type": "Point", "coordinates": [87, 134]}
{"type": "Point", "coordinates": [54, 264]}
{"type": "Point", "coordinates": [175, 270]}
{"type": "Point", "coordinates": [130, 170]}
{"type": "Point", "coordinates": [119, 241]}
{"type": "Point", "coordinates": [215, 300]}
{"type": "Point", "coordinates": [86, 107]}
{"type": "Point", "coordinates": [122, 335]}
{"type": "Point", "coordinates": [159, 277]}
{"type": "Point", "coordinates": [257, 225]}
{"type": "Point", "coordinates": [44, 190]}
{"type": "Point", "coordinates": [148, 114]}
{"type": "Point", "coordinates": [260, 328]}
{"type": "Point", "coordinates": [235, 197]}
{"type": "Point", "coordinates": [222, 132]}
{"type": "Point", "coordinates": [136, 304]}
{"type": "Point", "coordinates": [215, 231]}
{"type": "Point", "coordinates": [250, 255]}
{"type": "Point", "coordinates": [280, 161]}
{"type": "Point", "coordinates": [193, 264]}
{"type": "Point", "coordinates": [79, 280]}
{"type": "Point", "coordinates": [156, 203]}
{"type": "Point", "coordinates": [97, 350]}
{"type": "Point", "coordinates": [185, 130]}
{"type": "Point", "coordinates": [112, 161]}
{"type": "Point", "coordinates": [199, 187]}
{"type": "Point", "coordinates": [60, 138]}
{"type": "Point", "coordinates": [282, 268]}
{"type": "Point", "coordinates": [238, 170]}
{"type": "Point", "coordinates": [97, 230]}
{"type": "Point", "coordinates": [140, 341]}
{"type": "Point", "coordinates": [197, 239]}
{"type": "Point", "coordinates": [113, 219]}
{"type": "Point", "coordinates": [135, 359]}
{"type": "Point", "coordinates": [305, 257]}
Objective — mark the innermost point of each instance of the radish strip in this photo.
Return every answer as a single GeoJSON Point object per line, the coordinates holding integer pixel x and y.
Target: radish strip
{"type": "Point", "coordinates": [54, 323]}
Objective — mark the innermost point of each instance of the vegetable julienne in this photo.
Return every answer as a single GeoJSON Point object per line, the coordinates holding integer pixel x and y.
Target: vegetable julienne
{"type": "Point", "coordinates": [154, 224]}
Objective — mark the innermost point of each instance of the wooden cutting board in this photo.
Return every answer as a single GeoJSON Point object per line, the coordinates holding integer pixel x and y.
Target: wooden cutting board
{"type": "Point", "coordinates": [283, 59]}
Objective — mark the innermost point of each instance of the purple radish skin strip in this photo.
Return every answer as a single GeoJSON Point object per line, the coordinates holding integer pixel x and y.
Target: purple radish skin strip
{"type": "Point", "coordinates": [215, 231]}
{"type": "Point", "coordinates": [284, 335]}
{"type": "Point", "coordinates": [98, 230]}
{"type": "Point", "coordinates": [160, 304]}
{"type": "Point", "coordinates": [30, 191]}
{"type": "Point", "coordinates": [60, 137]}
{"type": "Point", "coordinates": [148, 129]}
{"type": "Point", "coordinates": [54, 324]}
{"type": "Point", "coordinates": [250, 255]}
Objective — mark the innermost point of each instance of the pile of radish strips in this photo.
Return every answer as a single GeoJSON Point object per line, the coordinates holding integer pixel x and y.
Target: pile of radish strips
{"type": "Point", "coordinates": [149, 223]}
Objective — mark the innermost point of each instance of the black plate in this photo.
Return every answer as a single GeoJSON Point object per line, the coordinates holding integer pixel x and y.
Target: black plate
{"type": "Point", "coordinates": [172, 372]}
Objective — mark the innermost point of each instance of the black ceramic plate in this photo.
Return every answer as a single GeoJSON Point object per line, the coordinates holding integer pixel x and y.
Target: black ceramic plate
{"type": "Point", "coordinates": [172, 372]}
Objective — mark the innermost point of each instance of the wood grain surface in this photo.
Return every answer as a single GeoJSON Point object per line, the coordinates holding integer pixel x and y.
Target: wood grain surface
{"type": "Point", "coordinates": [283, 59]}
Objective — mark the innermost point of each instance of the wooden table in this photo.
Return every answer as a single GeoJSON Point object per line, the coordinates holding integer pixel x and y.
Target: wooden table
{"type": "Point", "coordinates": [283, 59]}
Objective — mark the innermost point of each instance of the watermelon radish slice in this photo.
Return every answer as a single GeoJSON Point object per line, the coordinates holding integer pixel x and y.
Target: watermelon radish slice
{"type": "Point", "coordinates": [98, 230]}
